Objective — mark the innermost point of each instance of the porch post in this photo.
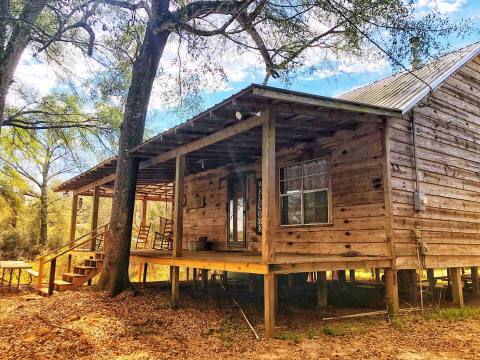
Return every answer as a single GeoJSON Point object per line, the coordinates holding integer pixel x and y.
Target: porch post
{"type": "Point", "coordinates": [177, 225]}
{"type": "Point", "coordinates": [270, 303]}
{"type": "Point", "coordinates": [73, 218]}
{"type": "Point", "coordinates": [475, 288]}
{"type": "Point", "coordinates": [391, 290]}
{"type": "Point", "coordinates": [268, 188]}
{"type": "Point", "coordinates": [457, 286]}
{"type": "Point", "coordinates": [95, 205]}
{"type": "Point", "coordinates": [144, 211]}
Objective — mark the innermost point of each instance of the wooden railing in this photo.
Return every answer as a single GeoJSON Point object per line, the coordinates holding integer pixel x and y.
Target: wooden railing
{"type": "Point", "coordinates": [98, 235]}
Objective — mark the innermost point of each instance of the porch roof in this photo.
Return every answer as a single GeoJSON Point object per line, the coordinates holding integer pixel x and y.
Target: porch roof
{"type": "Point", "coordinates": [300, 118]}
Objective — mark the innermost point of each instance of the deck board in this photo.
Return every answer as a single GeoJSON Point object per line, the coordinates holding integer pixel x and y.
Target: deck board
{"type": "Point", "coordinates": [252, 262]}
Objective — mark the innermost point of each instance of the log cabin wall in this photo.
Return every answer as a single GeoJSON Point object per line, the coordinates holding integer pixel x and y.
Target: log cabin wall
{"type": "Point", "coordinates": [357, 199]}
{"type": "Point", "coordinates": [448, 132]}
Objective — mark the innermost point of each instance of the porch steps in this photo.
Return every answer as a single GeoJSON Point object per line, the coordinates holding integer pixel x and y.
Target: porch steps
{"type": "Point", "coordinates": [80, 275]}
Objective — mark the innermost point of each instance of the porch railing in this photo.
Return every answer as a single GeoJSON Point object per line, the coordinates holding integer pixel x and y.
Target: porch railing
{"type": "Point", "coordinates": [99, 236]}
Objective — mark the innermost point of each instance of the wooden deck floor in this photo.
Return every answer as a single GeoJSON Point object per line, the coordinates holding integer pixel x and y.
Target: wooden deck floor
{"type": "Point", "coordinates": [249, 262]}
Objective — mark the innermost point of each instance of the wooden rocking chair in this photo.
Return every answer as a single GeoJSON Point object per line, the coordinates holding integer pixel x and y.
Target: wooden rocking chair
{"type": "Point", "coordinates": [164, 238]}
{"type": "Point", "coordinates": [142, 236]}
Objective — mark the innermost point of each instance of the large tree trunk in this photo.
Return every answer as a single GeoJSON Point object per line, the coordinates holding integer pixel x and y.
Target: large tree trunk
{"type": "Point", "coordinates": [43, 215]}
{"type": "Point", "coordinates": [16, 44]}
{"type": "Point", "coordinates": [114, 276]}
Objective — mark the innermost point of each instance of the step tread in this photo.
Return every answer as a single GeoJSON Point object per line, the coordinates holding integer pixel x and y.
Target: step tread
{"type": "Point", "coordinates": [62, 282]}
{"type": "Point", "coordinates": [73, 274]}
{"type": "Point", "coordinates": [84, 267]}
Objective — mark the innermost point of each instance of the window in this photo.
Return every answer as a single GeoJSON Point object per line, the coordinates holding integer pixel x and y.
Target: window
{"type": "Point", "coordinates": [304, 197]}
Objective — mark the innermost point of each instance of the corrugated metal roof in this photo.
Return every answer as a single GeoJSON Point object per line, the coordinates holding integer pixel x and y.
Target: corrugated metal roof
{"type": "Point", "coordinates": [404, 90]}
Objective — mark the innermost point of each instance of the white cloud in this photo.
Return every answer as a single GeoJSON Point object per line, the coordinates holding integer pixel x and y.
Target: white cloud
{"type": "Point", "coordinates": [444, 6]}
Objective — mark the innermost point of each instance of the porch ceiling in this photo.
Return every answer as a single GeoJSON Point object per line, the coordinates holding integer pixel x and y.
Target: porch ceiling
{"type": "Point", "coordinates": [299, 118]}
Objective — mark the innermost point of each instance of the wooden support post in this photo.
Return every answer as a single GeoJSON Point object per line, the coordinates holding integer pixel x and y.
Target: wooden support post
{"type": "Point", "coordinates": [139, 272]}
{"type": "Point", "coordinates": [269, 304]}
{"type": "Point", "coordinates": [457, 288]}
{"type": "Point", "coordinates": [391, 291]}
{"type": "Point", "coordinates": [342, 278]}
{"type": "Point", "coordinates": [377, 276]}
{"type": "Point", "coordinates": [41, 265]}
{"type": "Point", "coordinates": [431, 280]}
{"type": "Point", "coordinates": [144, 211]}
{"type": "Point", "coordinates": [225, 278]}
{"type": "Point", "coordinates": [177, 226]}
{"type": "Point", "coordinates": [145, 268]}
{"type": "Point", "coordinates": [73, 218]}
{"type": "Point", "coordinates": [194, 280]}
{"type": "Point", "coordinates": [268, 187]}
{"type": "Point", "coordinates": [290, 280]}
{"type": "Point", "coordinates": [475, 287]}
{"type": "Point", "coordinates": [322, 289]}
{"type": "Point", "coordinates": [204, 278]}
{"type": "Point", "coordinates": [95, 207]}
{"type": "Point", "coordinates": [352, 276]}
{"type": "Point", "coordinates": [175, 285]}
{"type": "Point", "coordinates": [69, 263]}
{"type": "Point", "coordinates": [51, 280]}
{"type": "Point", "coordinates": [413, 288]}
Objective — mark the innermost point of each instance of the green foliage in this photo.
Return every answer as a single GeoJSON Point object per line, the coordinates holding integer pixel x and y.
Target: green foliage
{"type": "Point", "coordinates": [454, 314]}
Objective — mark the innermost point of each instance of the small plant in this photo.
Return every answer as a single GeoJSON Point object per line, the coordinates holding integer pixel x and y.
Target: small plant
{"type": "Point", "coordinates": [293, 338]}
{"type": "Point", "coordinates": [397, 323]}
{"type": "Point", "coordinates": [329, 330]}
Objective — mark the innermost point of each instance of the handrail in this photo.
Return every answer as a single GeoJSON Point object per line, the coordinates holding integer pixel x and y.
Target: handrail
{"type": "Point", "coordinates": [95, 232]}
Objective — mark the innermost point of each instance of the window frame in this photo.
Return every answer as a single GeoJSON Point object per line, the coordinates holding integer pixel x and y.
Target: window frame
{"type": "Point", "coordinates": [301, 192]}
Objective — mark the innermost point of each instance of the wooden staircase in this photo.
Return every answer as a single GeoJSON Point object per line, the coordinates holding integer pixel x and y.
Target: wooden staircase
{"type": "Point", "coordinates": [81, 273]}
{"type": "Point", "coordinates": [79, 276]}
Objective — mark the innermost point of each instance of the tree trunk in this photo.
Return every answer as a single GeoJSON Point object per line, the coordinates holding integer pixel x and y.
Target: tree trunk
{"type": "Point", "coordinates": [43, 215]}
{"type": "Point", "coordinates": [18, 41]}
{"type": "Point", "coordinates": [114, 276]}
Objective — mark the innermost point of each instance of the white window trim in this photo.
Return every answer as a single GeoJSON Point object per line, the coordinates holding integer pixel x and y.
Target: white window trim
{"type": "Point", "coordinates": [301, 192]}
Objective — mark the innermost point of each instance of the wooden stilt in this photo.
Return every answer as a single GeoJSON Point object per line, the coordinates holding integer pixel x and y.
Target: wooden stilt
{"type": "Point", "coordinates": [204, 278]}
{"type": "Point", "coordinates": [352, 276]}
{"type": "Point", "coordinates": [391, 291]}
{"type": "Point", "coordinates": [175, 285]}
{"type": "Point", "coordinates": [475, 287]}
{"type": "Point", "coordinates": [145, 268]}
{"type": "Point", "coordinates": [342, 277]}
{"type": "Point", "coordinates": [194, 280]}
{"type": "Point", "coordinates": [413, 288]}
{"type": "Point", "coordinates": [269, 307]}
{"type": "Point", "coordinates": [225, 278]}
{"type": "Point", "coordinates": [457, 288]}
{"type": "Point", "coordinates": [322, 289]}
{"type": "Point", "coordinates": [187, 273]}
{"type": "Point", "coordinates": [377, 276]}
{"type": "Point", "coordinates": [290, 280]}
{"type": "Point", "coordinates": [139, 272]}
{"type": "Point", "coordinates": [431, 280]}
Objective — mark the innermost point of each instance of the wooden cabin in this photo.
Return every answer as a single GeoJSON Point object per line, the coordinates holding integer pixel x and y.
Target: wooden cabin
{"type": "Point", "coordinates": [386, 176]}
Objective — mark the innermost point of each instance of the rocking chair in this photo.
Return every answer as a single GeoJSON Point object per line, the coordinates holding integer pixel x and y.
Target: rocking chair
{"type": "Point", "coordinates": [164, 238]}
{"type": "Point", "coordinates": [142, 236]}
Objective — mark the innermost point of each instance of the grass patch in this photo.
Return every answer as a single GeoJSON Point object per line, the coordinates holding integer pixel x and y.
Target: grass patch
{"type": "Point", "coordinates": [291, 337]}
{"type": "Point", "coordinates": [454, 314]}
{"type": "Point", "coordinates": [397, 323]}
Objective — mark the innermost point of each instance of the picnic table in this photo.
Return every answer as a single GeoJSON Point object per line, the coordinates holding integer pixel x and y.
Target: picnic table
{"type": "Point", "coordinates": [11, 267]}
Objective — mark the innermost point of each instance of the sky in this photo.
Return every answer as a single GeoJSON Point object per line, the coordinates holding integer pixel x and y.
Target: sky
{"type": "Point", "coordinates": [245, 70]}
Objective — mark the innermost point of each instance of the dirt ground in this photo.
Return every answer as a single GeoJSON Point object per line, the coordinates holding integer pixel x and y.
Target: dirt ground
{"type": "Point", "coordinates": [139, 324]}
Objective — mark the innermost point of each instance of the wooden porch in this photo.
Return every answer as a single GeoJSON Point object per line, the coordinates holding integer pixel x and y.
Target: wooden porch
{"type": "Point", "coordinates": [250, 262]}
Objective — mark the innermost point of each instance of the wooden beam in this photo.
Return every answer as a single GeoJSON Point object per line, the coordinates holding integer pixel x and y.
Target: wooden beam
{"type": "Point", "coordinates": [73, 218]}
{"type": "Point", "coordinates": [218, 136]}
{"type": "Point", "coordinates": [269, 193]}
{"type": "Point", "coordinates": [95, 208]}
{"type": "Point", "coordinates": [144, 211]}
{"type": "Point", "coordinates": [178, 206]}
{"type": "Point", "coordinates": [475, 287]}
{"type": "Point", "coordinates": [322, 289]}
{"type": "Point", "coordinates": [101, 181]}
{"type": "Point", "coordinates": [457, 286]}
{"type": "Point", "coordinates": [269, 304]}
{"type": "Point", "coordinates": [391, 291]}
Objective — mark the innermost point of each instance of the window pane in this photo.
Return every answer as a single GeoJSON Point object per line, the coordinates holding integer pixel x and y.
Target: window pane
{"type": "Point", "coordinates": [291, 209]}
{"type": "Point", "coordinates": [314, 182]}
{"type": "Point", "coordinates": [240, 220]}
{"type": "Point", "coordinates": [315, 167]}
{"type": "Point", "coordinates": [290, 172]}
{"type": "Point", "coordinates": [287, 186]}
{"type": "Point", "coordinates": [315, 206]}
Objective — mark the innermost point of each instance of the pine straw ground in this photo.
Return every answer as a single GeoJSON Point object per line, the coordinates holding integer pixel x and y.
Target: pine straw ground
{"type": "Point", "coordinates": [140, 325]}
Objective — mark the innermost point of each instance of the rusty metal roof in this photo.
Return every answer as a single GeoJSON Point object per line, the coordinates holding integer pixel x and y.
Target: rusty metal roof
{"type": "Point", "coordinates": [406, 89]}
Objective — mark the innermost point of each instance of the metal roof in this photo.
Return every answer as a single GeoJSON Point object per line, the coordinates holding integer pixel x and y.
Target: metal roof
{"type": "Point", "coordinates": [405, 90]}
